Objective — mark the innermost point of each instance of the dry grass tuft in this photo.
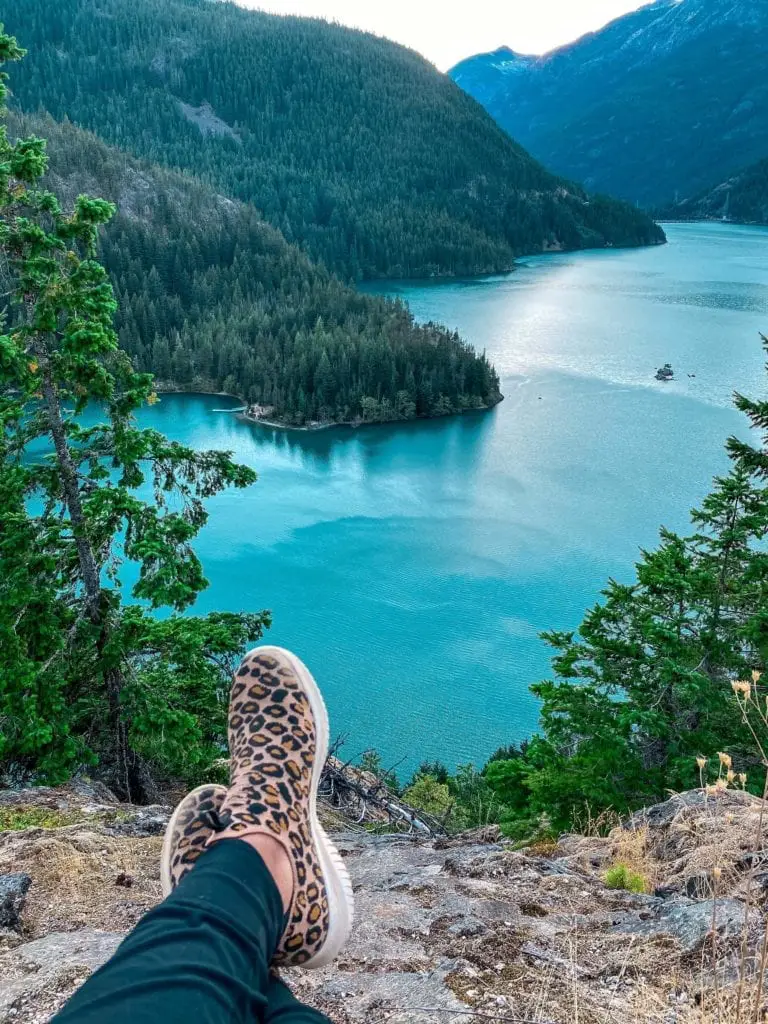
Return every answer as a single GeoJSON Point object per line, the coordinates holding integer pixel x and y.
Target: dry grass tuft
{"type": "Point", "coordinates": [632, 850]}
{"type": "Point", "coordinates": [74, 873]}
{"type": "Point", "coordinates": [542, 848]}
{"type": "Point", "coordinates": [596, 826]}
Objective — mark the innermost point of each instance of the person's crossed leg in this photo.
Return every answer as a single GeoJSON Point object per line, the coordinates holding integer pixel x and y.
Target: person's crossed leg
{"type": "Point", "coordinates": [250, 878]}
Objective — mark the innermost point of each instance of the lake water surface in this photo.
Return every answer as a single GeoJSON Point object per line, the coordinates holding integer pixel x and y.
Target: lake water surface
{"type": "Point", "coordinates": [413, 566]}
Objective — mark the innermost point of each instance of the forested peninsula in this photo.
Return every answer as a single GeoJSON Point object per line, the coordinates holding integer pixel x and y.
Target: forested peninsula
{"type": "Point", "coordinates": [211, 298]}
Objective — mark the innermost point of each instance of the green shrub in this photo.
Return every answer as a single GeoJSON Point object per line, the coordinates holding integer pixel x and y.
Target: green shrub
{"type": "Point", "coordinates": [15, 819]}
{"type": "Point", "coordinates": [427, 794]}
{"type": "Point", "coordinates": [622, 877]}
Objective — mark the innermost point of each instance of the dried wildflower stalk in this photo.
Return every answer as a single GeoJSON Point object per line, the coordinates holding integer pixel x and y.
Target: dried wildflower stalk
{"type": "Point", "coordinates": [754, 713]}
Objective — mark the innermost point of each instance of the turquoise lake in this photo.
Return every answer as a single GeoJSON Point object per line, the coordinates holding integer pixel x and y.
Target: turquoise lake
{"type": "Point", "coordinates": [413, 567]}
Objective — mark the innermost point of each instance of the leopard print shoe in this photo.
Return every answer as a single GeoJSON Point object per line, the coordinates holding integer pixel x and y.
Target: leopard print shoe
{"type": "Point", "coordinates": [278, 743]}
{"type": "Point", "coordinates": [191, 826]}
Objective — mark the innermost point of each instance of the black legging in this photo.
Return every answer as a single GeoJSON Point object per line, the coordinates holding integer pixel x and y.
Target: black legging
{"type": "Point", "coordinates": [202, 956]}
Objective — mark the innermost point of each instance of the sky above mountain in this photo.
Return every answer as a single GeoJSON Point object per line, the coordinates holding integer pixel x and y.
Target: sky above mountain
{"type": "Point", "coordinates": [447, 32]}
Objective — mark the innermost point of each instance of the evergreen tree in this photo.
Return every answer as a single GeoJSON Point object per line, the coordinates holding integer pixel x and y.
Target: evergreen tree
{"type": "Point", "coordinates": [646, 684]}
{"type": "Point", "coordinates": [85, 678]}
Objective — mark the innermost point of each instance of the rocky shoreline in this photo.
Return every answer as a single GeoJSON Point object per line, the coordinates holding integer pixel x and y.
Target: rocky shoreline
{"type": "Point", "coordinates": [354, 424]}
{"type": "Point", "coordinates": [166, 388]}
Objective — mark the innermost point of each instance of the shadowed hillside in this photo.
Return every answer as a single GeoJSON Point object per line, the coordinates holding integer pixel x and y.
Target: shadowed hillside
{"type": "Point", "coordinates": [664, 100]}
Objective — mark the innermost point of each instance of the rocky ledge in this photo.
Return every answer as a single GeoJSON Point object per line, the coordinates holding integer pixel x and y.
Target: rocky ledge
{"type": "Point", "coordinates": [465, 928]}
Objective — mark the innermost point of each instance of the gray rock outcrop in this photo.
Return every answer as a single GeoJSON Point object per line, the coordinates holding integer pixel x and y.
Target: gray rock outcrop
{"type": "Point", "coordinates": [13, 891]}
{"type": "Point", "coordinates": [466, 926]}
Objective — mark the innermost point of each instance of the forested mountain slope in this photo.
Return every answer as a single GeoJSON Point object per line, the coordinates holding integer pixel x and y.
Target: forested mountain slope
{"type": "Point", "coordinates": [211, 297]}
{"type": "Point", "coordinates": [351, 145]}
{"type": "Point", "coordinates": [666, 99]}
{"type": "Point", "coordinates": [742, 197]}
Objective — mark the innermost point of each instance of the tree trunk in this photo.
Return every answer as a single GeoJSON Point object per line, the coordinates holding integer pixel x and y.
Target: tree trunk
{"type": "Point", "coordinates": [89, 568]}
{"type": "Point", "coordinates": [127, 773]}
{"type": "Point", "coordinates": [131, 778]}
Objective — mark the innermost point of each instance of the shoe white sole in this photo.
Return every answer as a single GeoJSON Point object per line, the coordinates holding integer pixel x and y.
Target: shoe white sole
{"type": "Point", "coordinates": [167, 851]}
{"type": "Point", "coordinates": [341, 901]}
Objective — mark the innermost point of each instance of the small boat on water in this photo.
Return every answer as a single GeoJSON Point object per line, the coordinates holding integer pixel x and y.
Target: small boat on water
{"type": "Point", "coordinates": [665, 372]}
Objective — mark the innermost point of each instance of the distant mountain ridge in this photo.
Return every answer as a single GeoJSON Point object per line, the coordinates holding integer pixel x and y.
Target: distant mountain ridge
{"type": "Point", "coordinates": [354, 147]}
{"type": "Point", "coordinates": [485, 75]}
{"type": "Point", "coordinates": [663, 100]}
